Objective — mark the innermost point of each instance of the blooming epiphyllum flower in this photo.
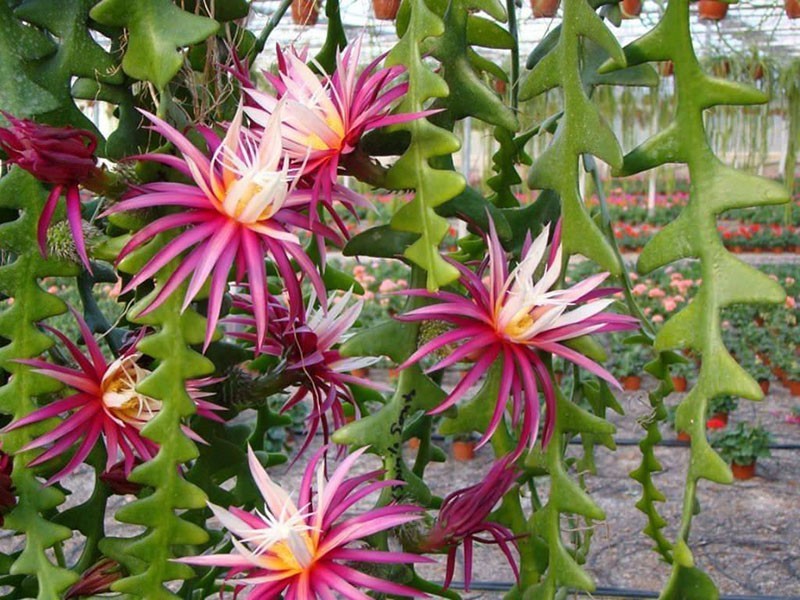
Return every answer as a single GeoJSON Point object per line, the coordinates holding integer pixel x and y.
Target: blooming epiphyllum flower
{"type": "Point", "coordinates": [106, 402]}
{"type": "Point", "coordinates": [239, 210]}
{"type": "Point", "coordinates": [324, 119]}
{"type": "Point", "coordinates": [463, 518]}
{"type": "Point", "coordinates": [61, 156]}
{"type": "Point", "coordinates": [305, 550]}
{"type": "Point", "coordinates": [313, 364]}
{"type": "Point", "coordinates": [515, 317]}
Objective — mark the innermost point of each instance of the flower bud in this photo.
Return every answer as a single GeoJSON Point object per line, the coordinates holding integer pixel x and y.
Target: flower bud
{"type": "Point", "coordinates": [97, 579]}
{"type": "Point", "coordinates": [8, 497]}
{"type": "Point", "coordinates": [116, 479]}
{"type": "Point", "coordinates": [56, 155]}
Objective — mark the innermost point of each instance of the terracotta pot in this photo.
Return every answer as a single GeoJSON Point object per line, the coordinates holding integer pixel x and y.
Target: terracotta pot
{"type": "Point", "coordinates": [712, 10]}
{"type": "Point", "coordinates": [500, 86]}
{"type": "Point", "coordinates": [679, 383]}
{"type": "Point", "coordinates": [780, 374]}
{"type": "Point", "coordinates": [385, 10]}
{"type": "Point", "coordinates": [631, 383]}
{"type": "Point", "coordinates": [305, 12]}
{"type": "Point", "coordinates": [757, 71]}
{"type": "Point", "coordinates": [744, 471]}
{"type": "Point", "coordinates": [463, 450]}
{"type": "Point", "coordinates": [544, 8]}
{"type": "Point", "coordinates": [667, 68]}
{"type": "Point", "coordinates": [764, 384]}
{"type": "Point", "coordinates": [721, 416]}
{"type": "Point", "coordinates": [682, 436]}
{"type": "Point", "coordinates": [794, 387]}
{"type": "Point", "coordinates": [792, 8]}
{"type": "Point", "coordinates": [631, 8]}
{"type": "Point", "coordinates": [413, 443]}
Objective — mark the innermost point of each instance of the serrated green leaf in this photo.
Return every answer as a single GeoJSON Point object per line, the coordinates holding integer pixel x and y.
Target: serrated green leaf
{"type": "Point", "coordinates": [19, 93]}
{"type": "Point", "coordinates": [19, 279]}
{"type": "Point", "coordinates": [157, 30]}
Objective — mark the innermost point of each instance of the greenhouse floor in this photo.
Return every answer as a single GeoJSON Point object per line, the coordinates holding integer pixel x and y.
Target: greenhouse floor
{"type": "Point", "coordinates": [746, 536]}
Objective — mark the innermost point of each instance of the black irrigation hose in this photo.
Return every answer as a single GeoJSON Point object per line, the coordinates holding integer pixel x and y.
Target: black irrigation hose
{"type": "Point", "coordinates": [678, 443]}
{"type": "Point", "coordinates": [667, 443]}
{"type": "Point", "coordinates": [614, 592]}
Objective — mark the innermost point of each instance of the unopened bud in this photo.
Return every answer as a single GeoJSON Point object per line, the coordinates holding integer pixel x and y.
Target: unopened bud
{"type": "Point", "coordinates": [97, 579]}
{"type": "Point", "coordinates": [116, 479]}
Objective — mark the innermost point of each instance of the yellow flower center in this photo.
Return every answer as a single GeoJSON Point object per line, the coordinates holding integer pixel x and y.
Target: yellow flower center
{"type": "Point", "coordinates": [519, 325]}
{"type": "Point", "coordinates": [121, 400]}
{"type": "Point", "coordinates": [294, 554]}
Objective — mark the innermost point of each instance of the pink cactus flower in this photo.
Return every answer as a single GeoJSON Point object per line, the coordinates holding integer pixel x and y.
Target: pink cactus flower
{"type": "Point", "coordinates": [463, 518]}
{"type": "Point", "coordinates": [61, 156]}
{"type": "Point", "coordinates": [307, 344]}
{"type": "Point", "coordinates": [106, 402]}
{"type": "Point", "coordinates": [306, 550]}
{"type": "Point", "coordinates": [239, 210]}
{"type": "Point", "coordinates": [513, 317]}
{"type": "Point", "coordinates": [325, 119]}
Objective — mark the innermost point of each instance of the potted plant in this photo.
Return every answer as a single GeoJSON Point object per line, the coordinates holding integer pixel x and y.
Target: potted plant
{"type": "Point", "coordinates": [681, 436]}
{"type": "Point", "coordinates": [755, 364]}
{"type": "Point", "coordinates": [741, 446]}
{"type": "Point", "coordinates": [721, 406]}
{"type": "Point", "coordinates": [628, 365]}
{"type": "Point", "coordinates": [792, 8]}
{"type": "Point", "coordinates": [631, 8]}
{"type": "Point", "coordinates": [680, 376]}
{"type": "Point", "coordinates": [544, 8]}
{"type": "Point", "coordinates": [463, 447]}
{"type": "Point", "coordinates": [712, 10]}
{"type": "Point", "coordinates": [791, 369]}
{"type": "Point", "coordinates": [305, 12]}
{"type": "Point", "coordinates": [385, 10]}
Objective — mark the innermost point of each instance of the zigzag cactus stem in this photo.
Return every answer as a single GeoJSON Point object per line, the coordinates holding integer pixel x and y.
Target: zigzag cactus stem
{"type": "Point", "coordinates": [715, 188]}
{"type": "Point", "coordinates": [177, 362]}
{"type": "Point", "coordinates": [19, 279]}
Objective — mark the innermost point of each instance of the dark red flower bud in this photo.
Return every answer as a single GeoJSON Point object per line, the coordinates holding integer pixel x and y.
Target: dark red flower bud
{"type": "Point", "coordinates": [464, 516]}
{"type": "Point", "coordinates": [8, 499]}
{"type": "Point", "coordinates": [61, 156]}
{"type": "Point", "coordinates": [97, 579]}
{"type": "Point", "coordinates": [301, 341]}
{"type": "Point", "coordinates": [58, 155]}
{"type": "Point", "coordinates": [116, 479]}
